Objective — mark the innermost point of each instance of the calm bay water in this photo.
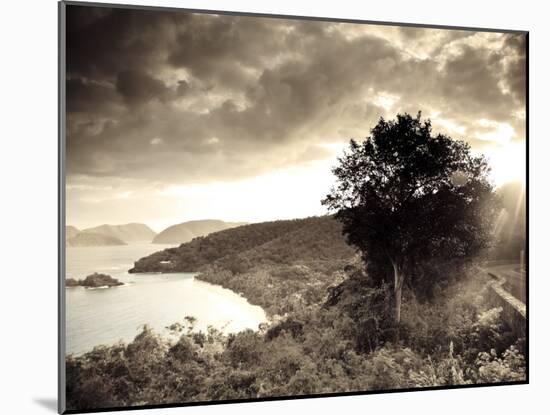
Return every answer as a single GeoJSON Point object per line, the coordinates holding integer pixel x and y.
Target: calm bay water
{"type": "Point", "coordinates": [107, 315]}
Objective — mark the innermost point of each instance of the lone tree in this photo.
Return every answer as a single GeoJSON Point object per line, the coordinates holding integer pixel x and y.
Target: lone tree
{"type": "Point", "coordinates": [405, 196]}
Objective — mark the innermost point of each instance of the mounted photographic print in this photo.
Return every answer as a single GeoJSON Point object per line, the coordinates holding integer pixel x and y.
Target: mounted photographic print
{"type": "Point", "coordinates": [258, 207]}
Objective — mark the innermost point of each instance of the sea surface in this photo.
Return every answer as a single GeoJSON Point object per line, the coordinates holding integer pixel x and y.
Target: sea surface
{"type": "Point", "coordinates": [107, 315]}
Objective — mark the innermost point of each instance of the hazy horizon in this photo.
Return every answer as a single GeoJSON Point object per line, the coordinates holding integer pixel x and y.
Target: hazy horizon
{"type": "Point", "coordinates": [160, 228]}
{"type": "Point", "coordinates": [174, 117]}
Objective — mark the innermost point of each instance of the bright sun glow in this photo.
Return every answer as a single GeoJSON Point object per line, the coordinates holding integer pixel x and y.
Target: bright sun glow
{"type": "Point", "coordinates": [507, 162]}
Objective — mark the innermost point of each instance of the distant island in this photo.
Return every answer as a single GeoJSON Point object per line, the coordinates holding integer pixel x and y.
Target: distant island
{"type": "Point", "coordinates": [130, 232]}
{"type": "Point", "coordinates": [112, 235]}
{"type": "Point", "coordinates": [109, 235]}
{"type": "Point", "coordinates": [71, 231]}
{"type": "Point", "coordinates": [93, 239]}
{"type": "Point", "coordinates": [187, 231]}
{"type": "Point", "coordinates": [94, 280]}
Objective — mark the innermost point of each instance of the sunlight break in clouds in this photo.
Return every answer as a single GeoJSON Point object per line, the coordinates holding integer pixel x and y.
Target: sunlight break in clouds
{"type": "Point", "coordinates": [507, 163]}
{"type": "Point", "coordinates": [241, 118]}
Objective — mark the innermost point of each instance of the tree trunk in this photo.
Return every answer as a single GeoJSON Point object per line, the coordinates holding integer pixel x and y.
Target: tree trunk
{"type": "Point", "coordinates": [398, 278]}
{"type": "Point", "coordinates": [397, 293]}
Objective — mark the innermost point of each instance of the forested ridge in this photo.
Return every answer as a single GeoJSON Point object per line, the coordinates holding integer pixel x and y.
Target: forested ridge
{"type": "Point", "coordinates": [298, 239]}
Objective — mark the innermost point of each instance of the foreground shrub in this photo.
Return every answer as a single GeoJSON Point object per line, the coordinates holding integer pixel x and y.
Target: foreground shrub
{"type": "Point", "coordinates": [509, 367]}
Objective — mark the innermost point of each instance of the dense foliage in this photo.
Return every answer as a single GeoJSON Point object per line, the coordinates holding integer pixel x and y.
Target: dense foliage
{"type": "Point", "coordinates": [289, 271]}
{"type": "Point", "coordinates": [344, 343]}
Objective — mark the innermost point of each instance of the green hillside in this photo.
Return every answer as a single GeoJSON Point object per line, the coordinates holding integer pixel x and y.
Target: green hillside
{"type": "Point", "coordinates": [284, 241]}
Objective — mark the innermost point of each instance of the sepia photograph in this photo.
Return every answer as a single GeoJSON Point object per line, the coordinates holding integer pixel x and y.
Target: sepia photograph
{"type": "Point", "coordinates": [261, 207]}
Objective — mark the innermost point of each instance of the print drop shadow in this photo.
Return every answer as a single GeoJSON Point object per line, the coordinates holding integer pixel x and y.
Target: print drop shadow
{"type": "Point", "coordinates": [48, 403]}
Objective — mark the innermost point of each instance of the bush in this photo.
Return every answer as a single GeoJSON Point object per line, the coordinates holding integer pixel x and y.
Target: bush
{"type": "Point", "coordinates": [509, 367]}
{"type": "Point", "coordinates": [244, 349]}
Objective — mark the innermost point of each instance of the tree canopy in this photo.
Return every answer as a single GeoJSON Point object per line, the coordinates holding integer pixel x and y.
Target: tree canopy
{"type": "Point", "coordinates": [405, 195]}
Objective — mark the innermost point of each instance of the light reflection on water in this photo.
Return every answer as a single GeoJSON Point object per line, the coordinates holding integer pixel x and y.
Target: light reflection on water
{"type": "Point", "coordinates": [105, 316]}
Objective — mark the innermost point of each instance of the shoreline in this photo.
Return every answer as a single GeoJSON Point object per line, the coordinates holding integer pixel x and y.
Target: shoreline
{"type": "Point", "coordinates": [242, 314]}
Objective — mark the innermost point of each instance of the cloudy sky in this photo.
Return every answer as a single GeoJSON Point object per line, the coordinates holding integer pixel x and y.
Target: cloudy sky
{"type": "Point", "coordinates": [178, 116]}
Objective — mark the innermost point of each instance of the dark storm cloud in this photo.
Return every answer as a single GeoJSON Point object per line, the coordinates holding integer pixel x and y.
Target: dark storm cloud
{"type": "Point", "coordinates": [469, 85]}
{"type": "Point", "coordinates": [221, 49]}
{"type": "Point", "coordinates": [85, 96]}
{"type": "Point", "coordinates": [516, 70]}
{"type": "Point", "coordinates": [138, 87]}
{"type": "Point", "coordinates": [103, 41]}
{"type": "Point", "coordinates": [176, 97]}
